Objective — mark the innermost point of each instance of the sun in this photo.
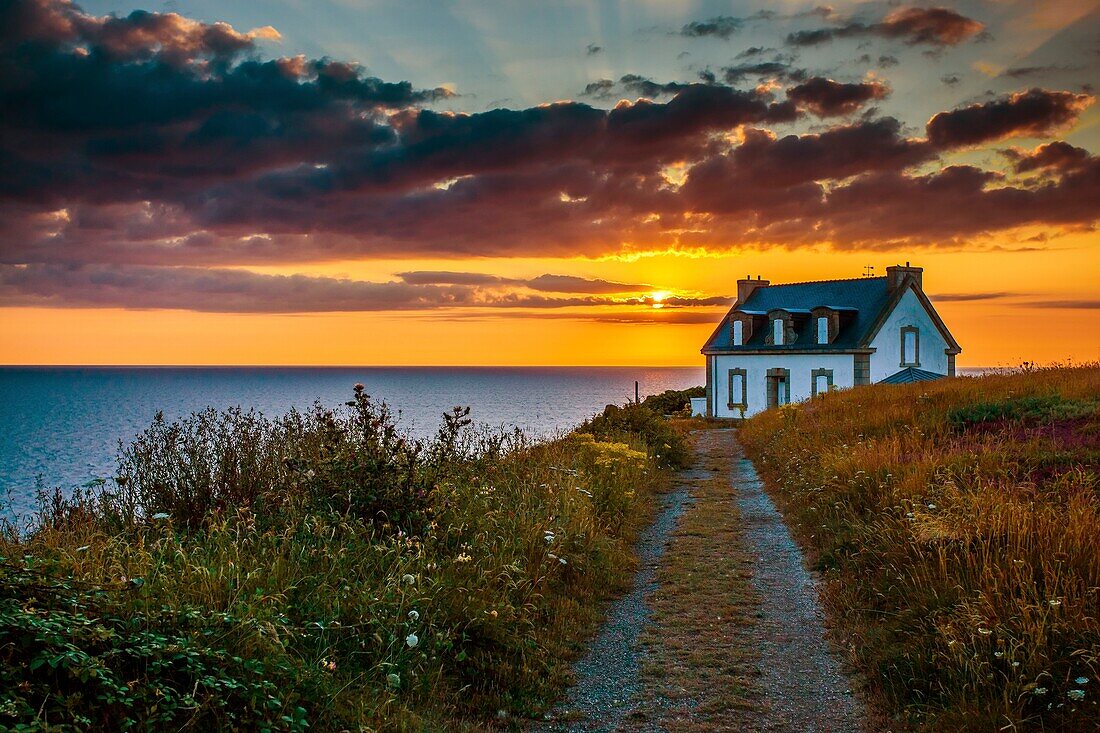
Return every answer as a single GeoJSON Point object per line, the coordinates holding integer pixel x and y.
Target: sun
{"type": "Point", "coordinates": [657, 297]}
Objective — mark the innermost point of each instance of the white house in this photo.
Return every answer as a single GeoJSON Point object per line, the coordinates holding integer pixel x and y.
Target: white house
{"type": "Point", "coordinates": [784, 343]}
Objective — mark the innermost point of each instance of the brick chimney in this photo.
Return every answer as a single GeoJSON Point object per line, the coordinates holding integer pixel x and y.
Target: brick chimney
{"type": "Point", "coordinates": [746, 287]}
{"type": "Point", "coordinates": [896, 275]}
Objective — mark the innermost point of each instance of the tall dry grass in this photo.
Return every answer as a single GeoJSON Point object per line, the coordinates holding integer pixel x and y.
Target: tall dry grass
{"type": "Point", "coordinates": [958, 526]}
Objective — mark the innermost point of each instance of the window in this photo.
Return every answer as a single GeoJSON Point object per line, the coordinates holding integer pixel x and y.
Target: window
{"type": "Point", "coordinates": [823, 330]}
{"type": "Point", "coordinates": [777, 331]}
{"type": "Point", "coordinates": [738, 396]}
{"type": "Point", "coordinates": [738, 333]}
{"type": "Point", "coordinates": [910, 346]}
{"type": "Point", "coordinates": [821, 381]}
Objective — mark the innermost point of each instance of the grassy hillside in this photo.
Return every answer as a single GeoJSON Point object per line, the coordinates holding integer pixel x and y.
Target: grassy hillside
{"type": "Point", "coordinates": [958, 524]}
{"type": "Point", "coordinates": [322, 572]}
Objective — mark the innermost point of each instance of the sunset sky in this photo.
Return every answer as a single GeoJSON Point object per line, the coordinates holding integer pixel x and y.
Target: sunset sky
{"type": "Point", "coordinates": [352, 182]}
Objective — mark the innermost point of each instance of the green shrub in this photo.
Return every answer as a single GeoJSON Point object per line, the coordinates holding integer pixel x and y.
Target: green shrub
{"type": "Point", "coordinates": [673, 401]}
{"type": "Point", "coordinates": [322, 568]}
{"type": "Point", "coordinates": [636, 422]}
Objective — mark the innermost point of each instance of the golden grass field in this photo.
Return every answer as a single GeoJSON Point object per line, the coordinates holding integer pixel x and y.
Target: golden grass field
{"type": "Point", "coordinates": [958, 527]}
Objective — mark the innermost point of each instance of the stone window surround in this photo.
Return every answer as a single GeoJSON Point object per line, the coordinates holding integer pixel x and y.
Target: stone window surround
{"type": "Point", "coordinates": [789, 334]}
{"type": "Point", "coordinates": [833, 317]}
{"type": "Point", "coordinates": [744, 396]}
{"type": "Point", "coordinates": [916, 346]}
{"type": "Point", "coordinates": [814, 374]}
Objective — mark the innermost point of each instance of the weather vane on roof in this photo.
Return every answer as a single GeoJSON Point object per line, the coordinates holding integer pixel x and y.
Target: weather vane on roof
{"type": "Point", "coordinates": [868, 270]}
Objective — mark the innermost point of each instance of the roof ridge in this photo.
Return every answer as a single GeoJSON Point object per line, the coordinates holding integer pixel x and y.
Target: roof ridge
{"type": "Point", "coordinates": [834, 280]}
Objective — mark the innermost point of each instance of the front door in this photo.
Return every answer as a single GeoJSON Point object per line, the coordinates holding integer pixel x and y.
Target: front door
{"type": "Point", "coordinates": [779, 387]}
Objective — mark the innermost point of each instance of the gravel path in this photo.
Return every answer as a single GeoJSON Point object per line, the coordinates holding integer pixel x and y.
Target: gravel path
{"type": "Point", "coordinates": [802, 683]}
{"type": "Point", "coordinates": [607, 676]}
{"type": "Point", "coordinates": [802, 687]}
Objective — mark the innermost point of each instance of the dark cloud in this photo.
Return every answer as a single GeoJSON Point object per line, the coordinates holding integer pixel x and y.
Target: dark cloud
{"type": "Point", "coordinates": [237, 291]}
{"type": "Point", "coordinates": [722, 26]}
{"type": "Point", "coordinates": [592, 49]}
{"type": "Point", "coordinates": [573, 284]}
{"type": "Point", "coordinates": [827, 98]}
{"type": "Point", "coordinates": [927, 26]}
{"type": "Point", "coordinates": [887, 61]}
{"type": "Point", "coordinates": [1059, 156]}
{"type": "Point", "coordinates": [970, 297]}
{"type": "Point", "coordinates": [1020, 72]}
{"type": "Point", "coordinates": [950, 79]}
{"type": "Point", "coordinates": [952, 205]}
{"type": "Point", "coordinates": [139, 36]}
{"type": "Point", "coordinates": [1070, 304]}
{"type": "Point", "coordinates": [779, 69]}
{"type": "Point", "coordinates": [1034, 113]}
{"type": "Point", "coordinates": [599, 89]}
{"type": "Point", "coordinates": [753, 51]}
{"type": "Point", "coordinates": [124, 171]}
{"type": "Point", "coordinates": [545, 283]}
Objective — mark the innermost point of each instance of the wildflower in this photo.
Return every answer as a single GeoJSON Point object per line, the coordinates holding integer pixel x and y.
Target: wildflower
{"type": "Point", "coordinates": [412, 640]}
{"type": "Point", "coordinates": [160, 516]}
{"type": "Point", "coordinates": [414, 615]}
{"type": "Point", "coordinates": [931, 506]}
{"type": "Point", "coordinates": [1076, 695]}
{"type": "Point", "coordinates": [462, 558]}
{"type": "Point", "coordinates": [393, 679]}
{"type": "Point", "coordinates": [1015, 664]}
{"type": "Point", "coordinates": [998, 655]}
{"type": "Point", "coordinates": [1039, 691]}
{"type": "Point", "coordinates": [493, 613]}
{"type": "Point", "coordinates": [408, 579]}
{"type": "Point", "coordinates": [1054, 602]}
{"type": "Point", "coordinates": [328, 664]}
{"type": "Point", "coordinates": [1081, 681]}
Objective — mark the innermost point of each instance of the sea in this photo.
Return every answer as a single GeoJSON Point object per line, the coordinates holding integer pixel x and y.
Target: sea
{"type": "Point", "coordinates": [61, 426]}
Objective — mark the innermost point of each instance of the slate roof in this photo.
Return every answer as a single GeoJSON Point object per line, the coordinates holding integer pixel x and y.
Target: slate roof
{"type": "Point", "coordinates": [910, 375]}
{"type": "Point", "coordinates": [865, 296]}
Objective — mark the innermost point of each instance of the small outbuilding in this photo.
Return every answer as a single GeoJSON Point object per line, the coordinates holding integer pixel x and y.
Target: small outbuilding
{"type": "Point", "coordinates": [790, 342]}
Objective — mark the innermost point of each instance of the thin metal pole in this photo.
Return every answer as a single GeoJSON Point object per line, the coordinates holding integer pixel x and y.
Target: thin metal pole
{"type": "Point", "coordinates": [637, 399]}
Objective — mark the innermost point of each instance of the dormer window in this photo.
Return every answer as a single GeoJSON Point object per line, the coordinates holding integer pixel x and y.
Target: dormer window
{"type": "Point", "coordinates": [778, 328]}
{"type": "Point", "coordinates": [738, 333]}
{"type": "Point", "coordinates": [910, 346]}
{"type": "Point", "coordinates": [823, 329]}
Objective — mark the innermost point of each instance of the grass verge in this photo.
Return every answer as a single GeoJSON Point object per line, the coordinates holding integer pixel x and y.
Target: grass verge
{"type": "Point", "coordinates": [958, 527]}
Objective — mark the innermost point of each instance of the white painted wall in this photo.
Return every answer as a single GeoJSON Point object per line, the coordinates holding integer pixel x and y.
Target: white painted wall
{"type": "Point", "coordinates": [698, 406]}
{"type": "Point", "coordinates": [887, 344]}
{"type": "Point", "coordinates": [757, 365]}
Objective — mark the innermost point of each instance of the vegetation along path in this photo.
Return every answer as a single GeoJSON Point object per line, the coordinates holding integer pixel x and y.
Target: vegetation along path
{"type": "Point", "coordinates": [730, 635]}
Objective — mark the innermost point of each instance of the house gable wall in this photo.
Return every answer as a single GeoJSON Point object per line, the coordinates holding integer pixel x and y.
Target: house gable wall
{"type": "Point", "coordinates": [908, 313]}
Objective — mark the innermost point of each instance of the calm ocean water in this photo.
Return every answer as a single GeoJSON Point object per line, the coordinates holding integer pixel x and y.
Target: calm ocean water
{"type": "Point", "coordinates": [64, 424]}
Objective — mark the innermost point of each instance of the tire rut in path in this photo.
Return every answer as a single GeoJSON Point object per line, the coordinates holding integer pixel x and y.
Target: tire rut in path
{"type": "Point", "coordinates": [801, 682]}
